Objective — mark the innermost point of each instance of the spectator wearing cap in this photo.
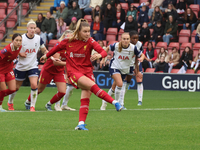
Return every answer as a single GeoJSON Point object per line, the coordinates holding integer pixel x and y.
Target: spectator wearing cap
{"type": "Point", "coordinates": [73, 23]}
{"type": "Point", "coordinates": [62, 11]}
{"type": "Point", "coordinates": [56, 5]}
{"type": "Point", "coordinates": [143, 16]}
{"type": "Point", "coordinates": [73, 12]}
{"type": "Point", "coordinates": [97, 29]}
{"type": "Point", "coordinates": [83, 5]}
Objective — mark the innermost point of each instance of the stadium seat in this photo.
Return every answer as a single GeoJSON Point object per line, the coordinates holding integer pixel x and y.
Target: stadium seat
{"type": "Point", "coordinates": [190, 71]}
{"type": "Point", "coordinates": [184, 45]}
{"type": "Point", "coordinates": [3, 7]}
{"type": "Point", "coordinates": [120, 32]}
{"type": "Point", "coordinates": [150, 70]}
{"type": "Point", "coordinates": [119, 37]}
{"type": "Point", "coordinates": [11, 1]}
{"type": "Point", "coordinates": [141, 1]}
{"type": "Point", "coordinates": [145, 45]}
{"type": "Point", "coordinates": [195, 9]}
{"type": "Point", "coordinates": [88, 18]}
{"type": "Point", "coordinates": [112, 31]}
{"type": "Point", "coordinates": [110, 37]}
{"type": "Point", "coordinates": [159, 72]}
{"type": "Point", "coordinates": [104, 42]}
{"type": "Point", "coordinates": [111, 42]}
{"type": "Point", "coordinates": [11, 6]}
{"type": "Point", "coordinates": [11, 21]}
{"type": "Point", "coordinates": [198, 72]}
{"type": "Point", "coordinates": [161, 44]}
{"type": "Point", "coordinates": [193, 37]}
{"type": "Point", "coordinates": [2, 32]}
{"type": "Point", "coordinates": [25, 8]}
{"type": "Point", "coordinates": [124, 6]}
{"type": "Point", "coordinates": [135, 4]}
{"type": "Point", "coordinates": [1, 18]}
{"type": "Point", "coordinates": [173, 44]}
{"type": "Point", "coordinates": [196, 46]}
{"type": "Point", "coordinates": [184, 36]}
{"type": "Point", "coordinates": [195, 52]}
{"type": "Point", "coordinates": [174, 70]}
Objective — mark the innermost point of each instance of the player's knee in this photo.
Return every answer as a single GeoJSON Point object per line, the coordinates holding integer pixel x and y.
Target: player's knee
{"type": "Point", "coordinates": [34, 86]}
{"type": "Point", "coordinates": [120, 84]}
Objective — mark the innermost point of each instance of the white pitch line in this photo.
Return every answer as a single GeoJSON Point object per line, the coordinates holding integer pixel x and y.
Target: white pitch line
{"type": "Point", "coordinates": [146, 109]}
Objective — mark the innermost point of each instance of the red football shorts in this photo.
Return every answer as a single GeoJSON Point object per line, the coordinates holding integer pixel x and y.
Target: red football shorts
{"type": "Point", "coordinates": [46, 77]}
{"type": "Point", "coordinates": [7, 76]}
{"type": "Point", "coordinates": [73, 78]}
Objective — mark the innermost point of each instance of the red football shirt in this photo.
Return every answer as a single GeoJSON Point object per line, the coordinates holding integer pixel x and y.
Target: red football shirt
{"type": "Point", "coordinates": [51, 68]}
{"type": "Point", "coordinates": [78, 54]}
{"type": "Point", "coordinates": [7, 55]}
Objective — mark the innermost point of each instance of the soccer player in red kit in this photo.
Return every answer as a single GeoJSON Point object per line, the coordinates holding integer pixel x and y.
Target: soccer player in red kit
{"type": "Point", "coordinates": [79, 67]}
{"type": "Point", "coordinates": [53, 69]}
{"type": "Point", "coordinates": [7, 76]}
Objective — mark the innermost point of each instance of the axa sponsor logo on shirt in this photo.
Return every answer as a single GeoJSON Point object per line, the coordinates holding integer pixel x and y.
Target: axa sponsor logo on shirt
{"type": "Point", "coordinates": [76, 55]}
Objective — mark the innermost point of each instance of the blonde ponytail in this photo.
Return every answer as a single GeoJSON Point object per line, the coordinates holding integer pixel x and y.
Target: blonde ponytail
{"type": "Point", "coordinates": [64, 35]}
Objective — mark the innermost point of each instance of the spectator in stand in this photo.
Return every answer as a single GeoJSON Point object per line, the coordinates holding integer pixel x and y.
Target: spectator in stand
{"type": "Point", "coordinates": [157, 16]}
{"type": "Point", "coordinates": [162, 53]}
{"type": "Point", "coordinates": [167, 2]}
{"type": "Point", "coordinates": [83, 6]}
{"type": "Point", "coordinates": [171, 10]}
{"type": "Point", "coordinates": [185, 60]}
{"type": "Point", "coordinates": [196, 62]}
{"type": "Point", "coordinates": [61, 27]}
{"type": "Point", "coordinates": [126, 1]}
{"type": "Point", "coordinates": [154, 4]}
{"type": "Point", "coordinates": [144, 34]}
{"type": "Point", "coordinates": [40, 20]}
{"type": "Point", "coordinates": [109, 17]}
{"type": "Point", "coordinates": [181, 6]}
{"type": "Point", "coordinates": [41, 34]}
{"type": "Point", "coordinates": [73, 24]}
{"type": "Point", "coordinates": [197, 27]}
{"type": "Point", "coordinates": [162, 65]}
{"type": "Point", "coordinates": [197, 2]}
{"type": "Point", "coordinates": [62, 11]}
{"type": "Point", "coordinates": [49, 27]}
{"type": "Point", "coordinates": [151, 55]}
{"type": "Point", "coordinates": [97, 12]}
{"type": "Point", "coordinates": [96, 64]}
{"type": "Point", "coordinates": [157, 32]}
{"type": "Point", "coordinates": [130, 24]}
{"type": "Point", "coordinates": [71, 2]}
{"type": "Point", "coordinates": [120, 16]}
{"type": "Point", "coordinates": [173, 59]}
{"type": "Point", "coordinates": [107, 63]}
{"type": "Point", "coordinates": [170, 30]}
{"type": "Point", "coordinates": [92, 6]}
{"type": "Point", "coordinates": [56, 5]}
{"type": "Point", "coordinates": [132, 11]}
{"type": "Point", "coordinates": [106, 2]}
{"type": "Point", "coordinates": [190, 19]}
{"type": "Point", "coordinates": [73, 12]}
{"type": "Point", "coordinates": [143, 15]}
{"type": "Point", "coordinates": [97, 28]}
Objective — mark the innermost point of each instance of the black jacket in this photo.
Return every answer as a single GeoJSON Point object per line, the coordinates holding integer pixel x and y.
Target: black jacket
{"type": "Point", "coordinates": [157, 17]}
{"type": "Point", "coordinates": [193, 20]}
{"type": "Point", "coordinates": [145, 32]}
{"type": "Point", "coordinates": [158, 31]}
{"type": "Point", "coordinates": [173, 13]}
{"type": "Point", "coordinates": [129, 26]}
{"type": "Point", "coordinates": [186, 57]}
{"type": "Point", "coordinates": [166, 2]}
{"type": "Point", "coordinates": [181, 5]}
{"type": "Point", "coordinates": [122, 17]}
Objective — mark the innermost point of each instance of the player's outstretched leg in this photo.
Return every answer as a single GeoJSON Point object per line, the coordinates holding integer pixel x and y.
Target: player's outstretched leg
{"type": "Point", "coordinates": [68, 94]}
{"type": "Point", "coordinates": [4, 93]}
{"type": "Point", "coordinates": [111, 92]}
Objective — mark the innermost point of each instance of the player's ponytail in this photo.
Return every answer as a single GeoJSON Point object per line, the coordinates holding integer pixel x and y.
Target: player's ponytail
{"type": "Point", "coordinates": [81, 23]}
{"type": "Point", "coordinates": [31, 22]}
{"type": "Point", "coordinates": [65, 35]}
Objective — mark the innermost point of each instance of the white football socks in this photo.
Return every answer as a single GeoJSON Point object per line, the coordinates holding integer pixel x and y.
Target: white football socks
{"type": "Point", "coordinates": [140, 91]}
{"type": "Point", "coordinates": [117, 92]}
{"type": "Point", "coordinates": [34, 93]}
{"type": "Point", "coordinates": [11, 97]}
{"type": "Point", "coordinates": [111, 93]}
{"type": "Point", "coordinates": [69, 91]}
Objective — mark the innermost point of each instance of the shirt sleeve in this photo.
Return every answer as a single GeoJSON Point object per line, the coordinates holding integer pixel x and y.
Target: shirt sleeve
{"type": "Point", "coordinates": [3, 53]}
{"type": "Point", "coordinates": [98, 48]}
{"type": "Point", "coordinates": [137, 52]}
{"type": "Point", "coordinates": [112, 47]}
{"type": "Point", "coordinates": [41, 41]}
{"type": "Point", "coordinates": [57, 48]}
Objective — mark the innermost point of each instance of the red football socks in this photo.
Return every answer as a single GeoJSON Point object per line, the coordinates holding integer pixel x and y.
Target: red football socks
{"type": "Point", "coordinates": [56, 97]}
{"type": "Point", "coordinates": [84, 108]}
{"type": "Point", "coordinates": [5, 93]}
{"type": "Point", "coordinates": [101, 93]}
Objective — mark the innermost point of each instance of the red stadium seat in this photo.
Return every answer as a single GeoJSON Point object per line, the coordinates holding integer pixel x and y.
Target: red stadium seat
{"type": "Point", "coordinates": [11, 6]}
{"type": "Point", "coordinates": [174, 70]}
{"type": "Point", "coordinates": [120, 32]}
{"type": "Point", "coordinates": [11, 1]}
{"type": "Point", "coordinates": [184, 32]}
{"type": "Point", "coordinates": [135, 4]}
{"type": "Point", "coordinates": [1, 18]}
{"type": "Point", "coordinates": [111, 42]}
{"type": "Point", "coordinates": [88, 18]}
{"type": "Point", "coordinates": [3, 7]}
{"type": "Point", "coordinates": [2, 32]}
{"type": "Point", "coordinates": [11, 21]}
{"type": "Point", "coordinates": [173, 44]}
{"type": "Point", "coordinates": [183, 39]}
{"type": "Point", "coordinates": [141, 1]}
{"type": "Point", "coordinates": [193, 37]}
{"type": "Point", "coordinates": [124, 6]}
{"type": "Point", "coordinates": [196, 46]}
{"type": "Point", "coordinates": [190, 71]}
{"type": "Point", "coordinates": [25, 8]}
{"type": "Point", "coordinates": [185, 44]}
{"type": "Point", "coordinates": [104, 43]}
{"type": "Point", "coordinates": [195, 52]}
{"type": "Point", "coordinates": [150, 70]}
{"type": "Point", "coordinates": [119, 37]}
{"type": "Point", "coordinates": [198, 72]}
{"type": "Point", "coordinates": [184, 36]}
{"type": "Point", "coordinates": [194, 7]}
{"type": "Point", "coordinates": [112, 31]}
{"type": "Point", "coordinates": [110, 37]}
{"type": "Point", "coordinates": [145, 45]}
{"type": "Point", "coordinates": [161, 44]}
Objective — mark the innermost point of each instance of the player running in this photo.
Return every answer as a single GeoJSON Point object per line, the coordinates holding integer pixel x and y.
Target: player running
{"type": "Point", "coordinates": [124, 53]}
{"type": "Point", "coordinates": [28, 64]}
{"type": "Point", "coordinates": [7, 76]}
{"type": "Point", "coordinates": [79, 67]}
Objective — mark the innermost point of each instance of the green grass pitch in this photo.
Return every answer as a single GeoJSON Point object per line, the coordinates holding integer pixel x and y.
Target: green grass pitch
{"type": "Point", "coordinates": [167, 120]}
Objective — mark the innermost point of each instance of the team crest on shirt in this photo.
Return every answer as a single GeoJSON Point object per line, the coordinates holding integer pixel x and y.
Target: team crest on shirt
{"type": "Point", "coordinates": [35, 44]}
{"type": "Point", "coordinates": [85, 47]}
{"type": "Point", "coordinates": [74, 77]}
{"type": "Point", "coordinates": [4, 51]}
